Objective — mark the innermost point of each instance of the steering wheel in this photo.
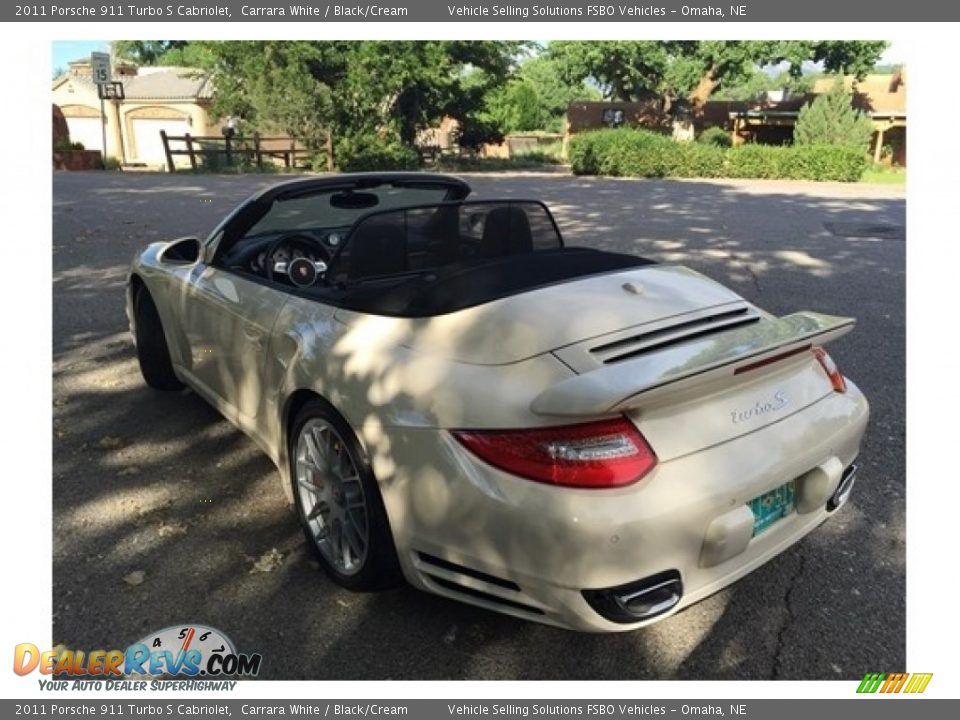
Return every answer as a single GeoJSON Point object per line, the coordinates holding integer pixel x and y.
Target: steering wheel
{"type": "Point", "coordinates": [301, 271]}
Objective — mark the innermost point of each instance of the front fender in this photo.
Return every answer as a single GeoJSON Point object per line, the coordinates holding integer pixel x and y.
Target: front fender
{"type": "Point", "coordinates": [165, 283]}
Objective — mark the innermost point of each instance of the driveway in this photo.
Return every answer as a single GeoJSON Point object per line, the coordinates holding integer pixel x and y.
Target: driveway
{"type": "Point", "coordinates": [164, 514]}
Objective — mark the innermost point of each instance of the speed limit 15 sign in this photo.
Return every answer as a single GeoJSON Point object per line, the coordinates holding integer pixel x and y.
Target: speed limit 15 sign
{"type": "Point", "coordinates": [100, 65]}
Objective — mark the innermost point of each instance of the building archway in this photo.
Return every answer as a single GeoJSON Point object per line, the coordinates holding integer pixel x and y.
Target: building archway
{"type": "Point", "coordinates": [84, 125]}
{"type": "Point", "coordinates": [142, 127]}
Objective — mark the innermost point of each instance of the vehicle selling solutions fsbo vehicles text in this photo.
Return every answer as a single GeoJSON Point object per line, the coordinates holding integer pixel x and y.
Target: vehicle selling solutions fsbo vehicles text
{"type": "Point", "coordinates": [558, 11]}
{"type": "Point", "coordinates": [518, 11]}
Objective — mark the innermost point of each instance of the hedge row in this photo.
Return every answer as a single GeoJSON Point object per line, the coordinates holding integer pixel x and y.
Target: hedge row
{"type": "Point", "coordinates": [639, 153]}
{"type": "Point", "coordinates": [364, 152]}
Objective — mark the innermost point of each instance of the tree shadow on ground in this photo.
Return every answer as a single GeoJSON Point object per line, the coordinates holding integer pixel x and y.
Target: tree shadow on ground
{"type": "Point", "coordinates": [159, 483]}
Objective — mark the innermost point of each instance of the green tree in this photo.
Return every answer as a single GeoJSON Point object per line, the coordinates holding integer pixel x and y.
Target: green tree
{"type": "Point", "coordinates": [146, 52]}
{"type": "Point", "coordinates": [761, 81]}
{"type": "Point", "coordinates": [363, 90]}
{"type": "Point", "coordinates": [831, 120]}
{"type": "Point", "coordinates": [175, 53]}
{"type": "Point", "coordinates": [477, 130]}
{"type": "Point", "coordinates": [624, 70]}
{"type": "Point", "coordinates": [846, 57]}
{"type": "Point", "coordinates": [409, 85]}
{"type": "Point", "coordinates": [535, 97]}
{"type": "Point", "coordinates": [516, 106]}
{"type": "Point", "coordinates": [273, 86]}
{"type": "Point", "coordinates": [552, 91]}
{"type": "Point", "coordinates": [694, 70]}
{"type": "Point", "coordinates": [270, 84]}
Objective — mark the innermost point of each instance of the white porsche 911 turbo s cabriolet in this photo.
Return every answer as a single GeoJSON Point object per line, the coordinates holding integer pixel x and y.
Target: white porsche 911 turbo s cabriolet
{"type": "Point", "coordinates": [454, 397]}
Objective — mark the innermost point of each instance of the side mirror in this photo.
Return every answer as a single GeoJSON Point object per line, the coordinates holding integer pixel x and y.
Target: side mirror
{"type": "Point", "coordinates": [184, 251]}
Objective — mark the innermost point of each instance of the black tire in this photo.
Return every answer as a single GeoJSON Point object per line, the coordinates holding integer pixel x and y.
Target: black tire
{"type": "Point", "coordinates": [152, 352]}
{"type": "Point", "coordinates": [380, 569]}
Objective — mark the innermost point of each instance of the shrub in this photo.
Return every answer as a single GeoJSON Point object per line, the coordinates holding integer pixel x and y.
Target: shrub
{"type": "Point", "coordinates": [693, 160]}
{"type": "Point", "coordinates": [475, 132]}
{"type": "Point", "coordinates": [213, 159]}
{"type": "Point", "coordinates": [798, 162]}
{"type": "Point", "coordinates": [715, 136]}
{"type": "Point", "coordinates": [829, 162]}
{"type": "Point", "coordinates": [639, 153]}
{"type": "Point", "coordinates": [582, 154]}
{"type": "Point", "coordinates": [368, 151]}
{"type": "Point", "coordinates": [620, 152]}
{"type": "Point", "coordinates": [64, 145]}
{"type": "Point", "coordinates": [759, 161]}
{"type": "Point", "coordinates": [536, 157]}
{"type": "Point", "coordinates": [831, 120]}
{"type": "Point", "coordinates": [468, 163]}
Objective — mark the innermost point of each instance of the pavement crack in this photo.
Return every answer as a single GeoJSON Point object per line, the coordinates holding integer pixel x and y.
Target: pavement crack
{"type": "Point", "coordinates": [753, 275]}
{"type": "Point", "coordinates": [777, 670]}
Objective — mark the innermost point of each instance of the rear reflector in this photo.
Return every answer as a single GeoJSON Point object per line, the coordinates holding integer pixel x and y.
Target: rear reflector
{"type": "Point", "coordinates": [830, 367]}
{"type": "Point", "coordinates": [604, 454]}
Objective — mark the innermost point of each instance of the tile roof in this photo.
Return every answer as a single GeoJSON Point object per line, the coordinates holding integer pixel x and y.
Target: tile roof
{"type": "Point", "coordinates": [159, 83]}
{"type": "Point", "coordinates": [169, 84]}
{"type": "Point", "coordinates": [875, 93]}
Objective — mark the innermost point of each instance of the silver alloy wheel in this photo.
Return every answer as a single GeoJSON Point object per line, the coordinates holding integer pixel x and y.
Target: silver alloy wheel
{"type": "Point", "coordinates": [331, 496]}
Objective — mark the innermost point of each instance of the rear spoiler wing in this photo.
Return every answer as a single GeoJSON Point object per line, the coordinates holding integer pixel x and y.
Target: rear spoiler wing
{"type": "Point", "coordinates": [625, 385]}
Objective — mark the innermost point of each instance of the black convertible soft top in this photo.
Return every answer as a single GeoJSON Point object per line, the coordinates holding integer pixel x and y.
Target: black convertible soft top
{"type": "Point", "coordinates": [405, 259]}
{"type": "Point", "coordinates": [428, 260]}
{"type": "Point", "coordinates": [463, 285]}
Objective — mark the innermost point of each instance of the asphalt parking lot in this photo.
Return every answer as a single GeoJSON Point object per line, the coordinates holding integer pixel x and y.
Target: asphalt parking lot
{"type": "Point", "coordinates": [164, 514]}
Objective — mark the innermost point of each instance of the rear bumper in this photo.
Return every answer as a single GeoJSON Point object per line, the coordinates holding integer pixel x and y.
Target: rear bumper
{"type": "Point", "coordinates": [470, 532]}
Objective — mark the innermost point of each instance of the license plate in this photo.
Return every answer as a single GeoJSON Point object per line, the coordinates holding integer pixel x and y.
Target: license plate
{"type": "Point", "coordinates": [771, 506]}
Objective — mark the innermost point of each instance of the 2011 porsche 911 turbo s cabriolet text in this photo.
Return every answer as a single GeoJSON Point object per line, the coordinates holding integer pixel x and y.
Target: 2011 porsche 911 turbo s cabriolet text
{"type": "Point", "coordinates": [455, 397]}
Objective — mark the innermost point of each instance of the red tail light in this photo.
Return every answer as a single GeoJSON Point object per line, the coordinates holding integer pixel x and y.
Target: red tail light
{"type": "Point", "coordinates": [830, 367]}
{"type": "Point", "coordinates": [605, 454]}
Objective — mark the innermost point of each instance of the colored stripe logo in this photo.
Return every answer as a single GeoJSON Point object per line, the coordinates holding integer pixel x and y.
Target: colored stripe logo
{"type": "Point", "coordinates": [894, 683]}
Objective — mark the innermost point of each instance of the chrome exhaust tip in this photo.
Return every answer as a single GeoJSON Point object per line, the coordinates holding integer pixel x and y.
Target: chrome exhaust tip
{"type": "Point", "coordinates": [845, 488]}
{"type": "Point", "coordinates": [637, 601]}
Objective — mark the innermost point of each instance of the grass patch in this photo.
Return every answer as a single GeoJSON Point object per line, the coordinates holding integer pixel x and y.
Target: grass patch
{"type": "Point", "coordinates": [529, 161]}
{"type": "Point", "coordinates": [885, 176]}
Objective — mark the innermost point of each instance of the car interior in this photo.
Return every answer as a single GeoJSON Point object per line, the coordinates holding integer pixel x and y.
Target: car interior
{"type": "Point", "coordinates": [414, 260]}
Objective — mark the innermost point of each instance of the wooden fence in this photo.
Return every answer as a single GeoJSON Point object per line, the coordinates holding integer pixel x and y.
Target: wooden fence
{"type": "Point", "coordinates": [210, 151]}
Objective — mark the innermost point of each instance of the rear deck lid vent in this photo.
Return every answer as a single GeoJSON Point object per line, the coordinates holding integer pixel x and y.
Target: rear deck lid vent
{"type": "Point", "coordinates": [664, 336]}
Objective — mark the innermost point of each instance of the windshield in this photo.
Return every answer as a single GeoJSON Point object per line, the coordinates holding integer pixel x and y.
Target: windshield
{"type": "Point", "coordinates": [420, 239]}
{"type": "Point", "coordinates": [340, 208]}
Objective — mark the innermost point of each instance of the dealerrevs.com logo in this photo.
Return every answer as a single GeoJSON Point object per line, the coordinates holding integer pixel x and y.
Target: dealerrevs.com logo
{"type": "Point", "coordinates": [184, 651]}
{"type": "Point", "coordinates": [887, 683]}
